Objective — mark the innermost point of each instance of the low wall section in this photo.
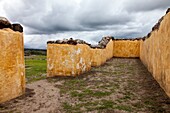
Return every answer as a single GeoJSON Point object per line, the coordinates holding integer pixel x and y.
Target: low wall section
{"type": "Point", "coordinates": [68, 60]}
{"type": "Point", "coordinates": [155, 53]}
{"type": "Point", "coordinates": [72, 60]}
{"type": "Point", "coordinates": [99, 56]}
{"type": "Point", "coordinates": [126, 48]}
{"type": "Point", "coordinates": [12, 68]}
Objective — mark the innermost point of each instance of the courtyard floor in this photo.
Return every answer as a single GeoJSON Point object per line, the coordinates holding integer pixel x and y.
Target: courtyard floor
{"type": "Point", "coordinates": [119, 86]}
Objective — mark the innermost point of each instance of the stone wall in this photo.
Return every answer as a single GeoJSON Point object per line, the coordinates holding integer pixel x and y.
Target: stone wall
{"type": "Point", "coordinates": [99, 56]}
{"type": "Point", "coordinates": [126, 48]}
{"type": "Point", "coordinates": [12, 68]}
{"type": "Point", "coordinates": [109, 50]}
{"type": "Point", "coordinates": [68, 60]}
{"type": "Point", "coordinates": [155, 52]}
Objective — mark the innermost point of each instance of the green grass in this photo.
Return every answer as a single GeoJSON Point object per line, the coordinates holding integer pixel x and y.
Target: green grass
{"type": "Point", "coordinates": [89, 106]}
{"type": "Point", "coordinates": [35, 67]}
{"type": "Point", "coordinates": [124, 108]}
{"type": "Point", "coordinates": [90, 93]}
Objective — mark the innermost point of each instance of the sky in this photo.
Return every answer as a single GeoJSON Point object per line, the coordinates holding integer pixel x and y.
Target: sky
{"type": "Point", "coordinates": [89, 20]}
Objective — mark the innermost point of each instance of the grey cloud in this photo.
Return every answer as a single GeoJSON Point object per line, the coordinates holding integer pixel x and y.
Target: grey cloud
{"type": "Point", "coordinates": [84, 19]}
{"type": "Point", "coordinates": [146, 5]}
{"type": "Point", "coordinates": [97, 14]}
{"type": "Point", "coordinates": [44, 17]}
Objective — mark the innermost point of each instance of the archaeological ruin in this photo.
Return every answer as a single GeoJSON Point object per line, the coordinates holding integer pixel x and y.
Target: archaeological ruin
{"type": "Point", "coordinates": [73, 57]}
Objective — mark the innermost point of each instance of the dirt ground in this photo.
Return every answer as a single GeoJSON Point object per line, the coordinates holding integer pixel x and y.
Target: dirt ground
{"type": "Point", "coordinates": [119, 86]}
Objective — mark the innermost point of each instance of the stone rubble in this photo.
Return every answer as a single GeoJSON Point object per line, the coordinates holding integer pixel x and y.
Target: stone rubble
{"type": "Point", "coordinates": [156, 26]}
{"type": "Point", "coordinates": [17, 27]}
{"type": "Point", "coordinates": [101, 44]}
{"type": "Point", "coordinates": [4, 23]}
{"type": "Point", "coordinates": [168, 10]}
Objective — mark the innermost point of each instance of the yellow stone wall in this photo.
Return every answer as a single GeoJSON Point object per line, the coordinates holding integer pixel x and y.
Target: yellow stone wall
{"type": "Point", "coordinates": [109, 50]}
{"type": "Point", "coordinates": [99, 56]}
{"type": "Point", "coordinates": [12, 68]}
{"type": "Point", "coordinates": [155, 54]}
{"type": "Point", "coordinates": [126, 48]}
{"type": "Point", "coordinates": [67, 60]}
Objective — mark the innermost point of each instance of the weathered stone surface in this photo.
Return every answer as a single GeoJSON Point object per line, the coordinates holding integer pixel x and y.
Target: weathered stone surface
{"type": "Point", "coordinates": [126, 48]}
{"type": "Point", "coordinates": [12, 68]}
{"type": "Point", "coordinates": [109, 50]}
{"type": "Point", "coordinates": [155, 53]}
{"type": "Point", "coordinates": [97, 57]}
{"type": "Point", "coordinates": [68, 60]}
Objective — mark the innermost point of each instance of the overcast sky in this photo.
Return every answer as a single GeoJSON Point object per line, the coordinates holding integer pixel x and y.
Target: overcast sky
{"type": "Point", "coordinates": [89, 20]}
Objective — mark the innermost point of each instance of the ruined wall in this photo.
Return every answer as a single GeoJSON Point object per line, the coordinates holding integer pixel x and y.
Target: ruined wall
{"type": "Point", "coordinates": [12, 68]}
{"type": "Point", "coordinates": [126, 48]}
{"type": "Point", "coordinates": [155, 53]}
{"type": "Point", "coordinates": [68, 60]}
{"type": "Point", "coordinates": [109, 50]}
{"type": "Point", "coordinates": [99, 56]}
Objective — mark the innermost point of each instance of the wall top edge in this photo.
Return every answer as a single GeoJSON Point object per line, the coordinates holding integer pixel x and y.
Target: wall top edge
{"type": "Point", "coordinates": [4, 23]}
{"type": "Point", "coordinates": [156, 26]}
{"type": "Point", "coordinates": [101, 44]}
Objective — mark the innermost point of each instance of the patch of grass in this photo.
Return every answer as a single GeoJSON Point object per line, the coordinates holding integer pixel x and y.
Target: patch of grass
{"type": "Point", "coordinates": [101, 94]}
{"type": "Point", "coordinates": [148, 102]}
{"type": "Point", "coordinates": [70, 108]}
{"type": "Point", "coordinates": [89, 106]}
{"type": "Point", "coordinates": [35, 68]}
{"type": "Point", "coordinates": [89, 93]}
{"type": "Point", "coordinates": [138, 105]}
{"type": "Point", "coordinates": [76, 94]}
{"type": "Point", "coordinates": [124, 108]}
{"type": "Point", "coordinates": [102, 105]}
{"type": "Point", "coordinates": [72, 85]}
{"type": "Point", "coordinates": [120, 66]}
{"type": "Point", "coordinates": [117, 72]}
{"type": "Point", "coordinates": [106, 104]}
{"type": "Point", "coordinates": [111, 86]}
{"type": "Point", "coordinates": [131, 68]}
{"type": "Point", "coordinates": [127, 96]}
